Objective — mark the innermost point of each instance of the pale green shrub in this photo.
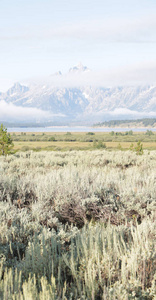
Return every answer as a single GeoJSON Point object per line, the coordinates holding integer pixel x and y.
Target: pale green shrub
{"type": "Point", "coordinates": [43, 259]}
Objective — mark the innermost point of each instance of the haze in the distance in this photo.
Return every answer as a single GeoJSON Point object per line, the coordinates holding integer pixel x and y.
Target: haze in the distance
{"type": "Point", "coordinates": [115, 39]}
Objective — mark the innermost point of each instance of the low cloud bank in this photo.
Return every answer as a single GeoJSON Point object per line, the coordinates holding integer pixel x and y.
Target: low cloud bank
{"type": "Point", "coordinates": [132, 113]}
{"type": "Point", "coordinates": [117, 114]}
{"type": "Point", "coordinates": [11, 112]}
{"type": "Point", "coordinates": [125, 113]}
{"type": "Point", "coordinates": [135, 75]}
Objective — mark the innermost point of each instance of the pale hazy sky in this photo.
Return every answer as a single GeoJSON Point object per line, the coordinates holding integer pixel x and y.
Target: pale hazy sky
{"type": "Point", "coordinates": [40, 37]}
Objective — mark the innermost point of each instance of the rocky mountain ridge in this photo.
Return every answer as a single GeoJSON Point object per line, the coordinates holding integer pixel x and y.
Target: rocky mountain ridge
{"type": "Point", "coordinates": [84, 101]}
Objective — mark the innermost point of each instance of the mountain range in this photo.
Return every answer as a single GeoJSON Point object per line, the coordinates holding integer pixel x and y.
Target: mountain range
{"type": "Point", "coordinates": [84, 103]}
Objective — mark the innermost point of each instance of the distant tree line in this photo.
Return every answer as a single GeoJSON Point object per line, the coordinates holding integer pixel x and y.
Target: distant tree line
{"type": "Point", "coordinates": [113, 133]}
{"type": "Point", "coordinates": [145, 122]}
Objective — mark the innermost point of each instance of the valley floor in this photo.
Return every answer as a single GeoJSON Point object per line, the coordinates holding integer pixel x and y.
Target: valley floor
{"type": "Point", "coordinates": [82, 140]}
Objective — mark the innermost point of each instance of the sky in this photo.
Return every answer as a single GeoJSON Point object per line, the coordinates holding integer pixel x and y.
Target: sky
{"type": "Point", "coordinates": [116, 39]}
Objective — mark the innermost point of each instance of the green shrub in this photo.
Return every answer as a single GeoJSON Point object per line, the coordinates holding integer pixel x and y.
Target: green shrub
{"type": "Point", "coordinates": [25, 148]}
{"type": "Point", "coordinates": [99, 145]}
{"type": "Point", "coordinates": [6, 143]}
{"type": "Point", "coordinates": [139, 148]}
{"type": "Point", "coordinates": [77, 225]}
{"type": "Point", "coordinates": [149, 132]}
{"type": "Point", "coordinates": [90, 133]}
{"type": "Point", "coordinates": [52, 139]}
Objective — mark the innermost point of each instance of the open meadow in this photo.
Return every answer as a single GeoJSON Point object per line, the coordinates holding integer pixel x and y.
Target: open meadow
{"type": "Point", "coordinates": [36, 141]}
{"type": "Point", "coordinates": [78, 225]}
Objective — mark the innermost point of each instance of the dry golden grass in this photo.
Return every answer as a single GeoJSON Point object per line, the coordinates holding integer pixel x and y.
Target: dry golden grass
{"type": "Point", "coordinates": [57, 144]}
{"type": "Point", "coordinates": [126, 145]}
{"type": "Point", "coordinates": [66, 145]}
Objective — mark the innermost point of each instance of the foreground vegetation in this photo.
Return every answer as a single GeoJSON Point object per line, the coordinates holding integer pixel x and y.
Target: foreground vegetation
{"type": "Point", "coordinates": [6, 143]}
{"type": "Point", "coordinates": [77, 225]}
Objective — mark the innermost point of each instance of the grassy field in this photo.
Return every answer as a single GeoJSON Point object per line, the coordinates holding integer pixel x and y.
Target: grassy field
{"type": "Point", "coordinates": [81, 141]}
{"type": "Point", "coordinates": [58, 145]}
{"type": "Point", "coordinates": [78, 225]}
{"type": "Point", "coordinates": [75, 145]}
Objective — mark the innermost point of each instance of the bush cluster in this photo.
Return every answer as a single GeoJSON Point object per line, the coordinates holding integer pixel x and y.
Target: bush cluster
{"type": "Point", "coordinates": [77, 225]}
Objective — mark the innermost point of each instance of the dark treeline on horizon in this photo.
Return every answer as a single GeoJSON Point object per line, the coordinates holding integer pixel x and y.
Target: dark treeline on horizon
{"type": "Point", "coordinates": [112, 123]}
{"type": "Point", "coordinates": [145, 122]}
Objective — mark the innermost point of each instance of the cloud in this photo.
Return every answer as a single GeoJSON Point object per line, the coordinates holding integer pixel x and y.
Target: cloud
{"type": "Point", "coordinates": [108, 29]}
{"type": "Point", "coordinates": [132, 113]}
{"type": "Point", "coordinates": [117, 114]}
{"type": "Point", "coordinates": [9, 111]}
{"type": "Point", "coordinates": [134, 75]}
{"type": "Point", "coordinates": [135, 30]}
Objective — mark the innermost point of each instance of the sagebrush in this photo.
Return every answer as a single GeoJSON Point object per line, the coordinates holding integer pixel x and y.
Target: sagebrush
{"type": "Point", "coordinates": [78, 225]}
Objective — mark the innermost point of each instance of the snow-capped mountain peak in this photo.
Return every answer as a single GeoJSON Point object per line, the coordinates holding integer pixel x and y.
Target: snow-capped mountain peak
{"type": "Point", "coordinates": [17, 89]}
{"type": "Point", "coordinates": [83, 101]}
{"type": "Point", "coordinates": [79, 68]}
